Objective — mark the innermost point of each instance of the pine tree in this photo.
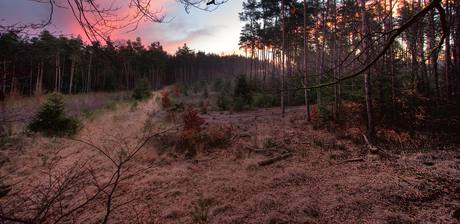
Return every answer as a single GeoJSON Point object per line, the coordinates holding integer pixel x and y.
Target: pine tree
{"type": "Point", "coordinates": [242, 95]}
{"type": "Point", "coordinates": [52, 120]}
{"type": "Point", "coordinates": [143, 90]}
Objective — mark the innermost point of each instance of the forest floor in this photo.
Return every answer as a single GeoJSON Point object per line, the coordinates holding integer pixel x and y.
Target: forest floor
{"type": "Point", "coordinates": [330, 178]}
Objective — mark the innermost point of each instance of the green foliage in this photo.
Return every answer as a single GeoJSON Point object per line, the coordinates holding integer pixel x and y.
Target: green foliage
{"type": "Point", "coordinates": [51, 119]}
{"type": "Point", "coordinates": [87, 113]}
{"type": "Point", "coordinates": [218, 84]}
{"type": "Point", "coordinates": [203, 82]}
{"type": "Point", "coordinates": [242, 95]}
{"type": "Point", "coordinates": [148, 125]}
{"type": "Point", "coordinates": [184, 90]}
{"type": "Point", "coordinates": [178, 106]}
{"type": "Point", "coordinates": [299, 98]}
{"type": "Point", "coordinates": [197, 87]}
{"type": "Point", "coordinates": [200, 211]}
{"type": "Point", "coordinates": [262, 100]}
{"type": "Point", "coordinates": [227, 87]}
{"type": "Point", "coordinates": [143, 90]}
{"type": "Point", "coordinates": [353, 96]}
{"type": "Point", "coordinates": [224, 100]}
{"type": "Point", "coordinates": [205, 92]}
{"type": "Point", "coordinates": [110, 106]}
{"type": "Point", "coordinates": [8, 140]}
{"type": "Point", "coordinates": [111, 84]}
{"type": "Point", "coordinates": [240, 104]}
{"type": "Point", "coordinates": [324, 113]}
{"type": "Point", "coordinates": [134, 105]}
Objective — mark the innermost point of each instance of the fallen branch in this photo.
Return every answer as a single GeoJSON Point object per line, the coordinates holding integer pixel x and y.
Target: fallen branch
{"type": "Point", "coordinates": [355, 160]}
{"type": "Point", "coordinates": [372, 149]}
{"type": "Point", "coordinates": [273, 160]}
{"type": "Point", "coordinates": [231, 138]}
{"type": "Point", "coordinates": [261, 151]}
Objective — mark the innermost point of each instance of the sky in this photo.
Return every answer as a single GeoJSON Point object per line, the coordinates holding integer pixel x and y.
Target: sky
{"type": "Point", "coordinates": [212, 32]}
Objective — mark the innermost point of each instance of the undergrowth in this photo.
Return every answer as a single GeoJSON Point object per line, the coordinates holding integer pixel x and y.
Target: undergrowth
{"type": "Point", "coordinates": [200, 211]}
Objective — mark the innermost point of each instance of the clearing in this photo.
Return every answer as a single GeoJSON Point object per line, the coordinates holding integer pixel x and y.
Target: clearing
{"type": "Point", "coordinates": [330, 177]}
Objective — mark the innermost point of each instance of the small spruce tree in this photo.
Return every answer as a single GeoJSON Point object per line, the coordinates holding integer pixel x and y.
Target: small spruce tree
{"type": "Point", "coordinates": [197, 87]}
{"type": "Point", "coordinates": [52, 120]}
{"type": "Point", "coordinates": [143, 90]}
{"type": "Point", "coordinates": [205, 92]}
{"type": "Point", "coordinates": [218, 84]}
{"type": "Point", "coordinates": [242, 94]}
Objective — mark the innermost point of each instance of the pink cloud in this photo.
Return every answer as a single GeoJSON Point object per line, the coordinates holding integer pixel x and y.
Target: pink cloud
{"type": "Point", "coordinates": [193, 29]}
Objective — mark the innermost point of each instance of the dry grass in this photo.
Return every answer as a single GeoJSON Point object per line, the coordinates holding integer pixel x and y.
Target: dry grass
{"type": "Point", "coordinates": [316, 185]}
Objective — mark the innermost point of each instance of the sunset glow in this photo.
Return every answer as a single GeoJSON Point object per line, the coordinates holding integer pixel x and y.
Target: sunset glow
{"type": "Point", "coordinates": [211, 32]}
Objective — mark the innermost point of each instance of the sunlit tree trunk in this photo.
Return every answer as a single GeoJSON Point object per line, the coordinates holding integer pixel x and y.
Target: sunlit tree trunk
{"type": "Point", "coordinates": [457, 47]}
{"type": "Point", "coordinates": [326, 15]}
{"type": "Point", "coordinates": [334, 53]}
{"type": "Point", "coordinates": [317, 62]}
{"type": "Point", "coordinates": [434, 56]}
{"type": "Point", "coordinates": [283, 61]}
{"type": "Point", "coordinates": [72, 69]}
{"type": "Point", "coordinates": [393, 72]}
{"type": "Point", "coordinates": [448, 55]}
{"type": "Point", "coordinates": [305, 59]}
{"type": "Point", "coordinates": [367, 82]}
{"type": "Point", "coordinates": [424, 71]}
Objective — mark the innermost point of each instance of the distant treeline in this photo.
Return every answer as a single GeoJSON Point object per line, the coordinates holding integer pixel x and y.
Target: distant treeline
{"type": "Point", "coordinates": [68, 65]}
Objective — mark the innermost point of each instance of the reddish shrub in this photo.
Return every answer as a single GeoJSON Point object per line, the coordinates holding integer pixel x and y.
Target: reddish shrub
{"type": "Point", "coordinates": [314, 116]}
{"type": "Point", "coordinates": [228, 131]}
{"type": "Point", "coordinates": [165, 101]}
{"type": "Point", "coordinates": [177, 90]}
{"type": "Point", "coordinates": [171, 116]}
{"type": "Point", "coordinates": [214, 133]}
{"type": "Point", "coordinates": [192, 124]}
{"type": "Point", "coordinates": [204, 109]}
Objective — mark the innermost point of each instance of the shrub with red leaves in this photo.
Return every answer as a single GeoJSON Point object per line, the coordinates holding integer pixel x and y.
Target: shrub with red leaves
{"type": "Point", "coordinates": [204, 108]}
{"type": "Point", "coordinates": [165, 101]}
{"type": "Point", "coordinates": [177, 90]}
{"type": "Point", "coordinates": [171, 116]}
{"type": "Point", "coordinates": [214, 133]}
{"type": "Point", "coordinates": [314, 116]}
{"type": "Point", "coordinates": [228, 131]}
{"type": "Point", "coordinates": [192, 124]}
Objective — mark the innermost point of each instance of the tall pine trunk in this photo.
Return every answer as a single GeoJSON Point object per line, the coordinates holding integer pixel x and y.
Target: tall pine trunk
{"type": "Point", "coordinates": [367, 82]}
{"type": "Point", "coordinates": [88, 84]}
{"type": "Point", "coordinates": [457, 47]}
{"type": "Point", "coordinates": [282, 63]}
{"type": "Point", "coordinates": [317, 63]}
{"type": "Point", "coordinates": [72, 69]}
{"type": "Point", "coordinates": [305, 58]}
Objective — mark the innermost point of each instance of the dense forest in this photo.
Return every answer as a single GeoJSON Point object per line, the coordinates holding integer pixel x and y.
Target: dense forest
{"type": "Point", "coordinates": [399, 61]}
{"type": "Point", "coordinates": [67, 65]}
